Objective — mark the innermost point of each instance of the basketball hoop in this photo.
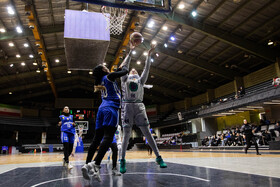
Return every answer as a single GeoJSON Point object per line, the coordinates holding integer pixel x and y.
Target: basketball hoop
{"type": "Point", "coordinates": [115, 18]}
{"type": "Point", "coordinates": [81, 130]}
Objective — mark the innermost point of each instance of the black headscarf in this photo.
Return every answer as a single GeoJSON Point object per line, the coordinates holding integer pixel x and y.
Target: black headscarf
{"type": "Point", "coordinates": [98, 73]}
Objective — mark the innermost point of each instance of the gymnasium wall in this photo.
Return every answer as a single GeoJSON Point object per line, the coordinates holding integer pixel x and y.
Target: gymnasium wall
{"type": "Point", "coordinates": [225, 122]}
{"type": "Point", "coordinates": [251, 79]}
{"type": "Point", "coordinates": [74, 103]}
{"type": "Point", "coordinates": [260, 76]}
{"type": "Point", "coordinates": [28, 112]}
{"type": "Point", "coordinates": [200, 99]}
{"type": "Point", "coordinates": [225, 89]}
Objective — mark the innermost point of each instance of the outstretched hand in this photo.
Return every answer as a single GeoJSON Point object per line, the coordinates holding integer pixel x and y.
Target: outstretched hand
{"type": "Point", "coordinates": [153, 46]}
{"type": "Point", "coordinates": [131, 46]}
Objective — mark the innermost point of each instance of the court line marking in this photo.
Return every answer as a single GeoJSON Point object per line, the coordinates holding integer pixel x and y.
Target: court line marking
{"type": "Point", "coordinates": [134, 173]}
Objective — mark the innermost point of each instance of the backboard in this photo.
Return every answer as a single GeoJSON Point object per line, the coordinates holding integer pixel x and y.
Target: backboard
{"type": "Point", "coordinates": [144, 5]}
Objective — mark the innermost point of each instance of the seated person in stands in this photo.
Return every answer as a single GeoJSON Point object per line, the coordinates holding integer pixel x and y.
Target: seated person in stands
{"type": "Point", "coordinates": [204, 141]}
{"type": "Point", "coordinates": [179, 137]}
{"type": "Point", "coordinates": [223, 139]}
{"type": "Point", "coordinates": [228, 140]}
{"type": "Point", "coordinates": [241, 92]}
{"type": "Point", "coordinates": [216, 141]}
{"type": "Point", "coordinates": [237, 130]}
{"type": "Point", "coordinates": [233, 139]}
{"type": "Point", "coordinates": [277, 129]}
{"type": "Point", "coordinates": [240, 140]}
{"type": "Point", "coordinates": [266, 137]}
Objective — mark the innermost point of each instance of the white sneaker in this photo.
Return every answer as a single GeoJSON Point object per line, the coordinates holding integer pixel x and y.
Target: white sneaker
{"type": "Point", "coordinates": [85, 171]}
{"type": "Point", "coordinates": [69, 166]}
{"type": "Point", "coordinates": [96, 171]}
{"type": "Point", "coordinates": [116, 172]}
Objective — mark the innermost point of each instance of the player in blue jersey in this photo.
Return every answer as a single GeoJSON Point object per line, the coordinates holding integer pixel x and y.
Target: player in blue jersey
{"type": "Point", "coordinates": [107, 116]}
{"type": "Point", "coordinates": [67, 134]}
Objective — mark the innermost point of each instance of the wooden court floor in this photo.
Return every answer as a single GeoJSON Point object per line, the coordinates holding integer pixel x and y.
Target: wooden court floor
{"type": "Point", "coordinates": [57, 157]}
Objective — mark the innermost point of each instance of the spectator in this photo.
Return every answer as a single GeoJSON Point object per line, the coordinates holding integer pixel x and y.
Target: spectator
{"type": "Point", "coordinates": [266, 137]}
{"type": "Point", "coordinates": [234, 139]}
{"type": "Point", "coordinates": [204, 141]}
{"type": "Point", "coordinates": [240, 140]}
{"type": "Point", "coordinates": [228, 140]}
{"type": "Point", "coordinates": [237, 130]}
{"type": "Point", "coordinates": [277, 129]}
{"type": "Point", "coordinates": [241, 91]}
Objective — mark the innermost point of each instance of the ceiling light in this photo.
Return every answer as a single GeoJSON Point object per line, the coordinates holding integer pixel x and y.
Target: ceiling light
{"type": "Point", "coordinates": [151, 24]}
{"type": "Point", "coordinates": [181, 6]}
{"type": "Point", "coordinates": [165, 45]}
{"type": "Point", "coordinates": [245, 109]}
{"type": "Point", "coordinates": [31, 56]}
{"type": "Point", "coordinates": [11, 65]}
{"type": "Point", "coordinates": [194, 13]}
{"type": "Point", "coordinates": [2, 30]}
{"type": "Point", "coordinates": [218, 115]}
{"type": "Point", "coordinates": [172, 38]}
{"type": "Point", "coordinates": [152, 60]}
{"type": "Point", "coordinates": [68, 71]}
{"type": "Point", "coordinates": [19, 30]}
{"type": "Point", "coordinates": [164, 28]}
{"type": "Point", "coordinates": [226, 113]}
{"type": "Point", "coordinates": [270, 103]}
{"type": "Point", "coordinates": [133, 52]}
{"type": "Point", "coordinates": [152, 76]}
{"type": "Point", "coordinates": [157, 54]}
{"type": "Point", "coordinates": [23, 63]}
{"type": "Point", "coordinates": [18, 56]}
{"type": "Point", "coordinates": [257, 107]}
{"type": "Point", "coordinates": [57, 60]}
{"type": "Point", "coordinates": [154, 42]}
{"type": "Point", "coordinates": [10, 10]}
{"type": "Point", "coordinates": [90, 72]}
{"type": "Point", "coordinates": [38, 70]}
{"type": "Point", "coordinates": [180, 52]}
{"type": "Point", "coordinates": [104, 64]}
{"type": "Point", "coordinates": [138, 62]}
{"type": "Point", "coordinates": [26, 45]}
{"type": "Point", "coordinates": [270, 42]}
{"type": "Point", "coordinates": [145, 53]}
{"type": "Point", "coordinates": [35, 63]}
{"type": "Point", "coordinates": [10, 93]}
{"type": "Point", "coordinates": [11, 44]}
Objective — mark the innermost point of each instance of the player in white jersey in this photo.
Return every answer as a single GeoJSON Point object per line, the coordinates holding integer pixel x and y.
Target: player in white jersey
{"type": "Point", "coordinates": [118, 136]}
{"type": "Point", "coordinates": [134, 110]}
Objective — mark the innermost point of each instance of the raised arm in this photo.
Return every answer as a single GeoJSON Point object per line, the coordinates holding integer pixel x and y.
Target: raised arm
{"type": "Point", "coordinates": [117, 74]}
{"type": "Point", "coordinates": [145, 73]}
{"type": "Point", "coordinates": [126, 62]}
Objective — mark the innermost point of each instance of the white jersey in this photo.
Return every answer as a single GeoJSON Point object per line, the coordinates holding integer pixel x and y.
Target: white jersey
{"type": "Point", "coordinates": [133, 85]}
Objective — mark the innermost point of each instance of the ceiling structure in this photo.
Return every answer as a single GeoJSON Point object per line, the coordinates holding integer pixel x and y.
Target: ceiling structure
{"type": "Point", "coordinates": [225, 40]}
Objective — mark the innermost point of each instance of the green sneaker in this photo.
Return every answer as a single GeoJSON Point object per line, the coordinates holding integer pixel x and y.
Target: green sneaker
{"type": "Point", "coordinates": [122, 166]}
{"type": "Point", "coordinates": [160, 162]}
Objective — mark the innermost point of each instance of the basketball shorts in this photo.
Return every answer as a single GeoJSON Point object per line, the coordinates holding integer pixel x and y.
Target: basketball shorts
{"type": "Point", "coordinates": [134, 113]}
{"type": "Point", "coordinates": [67, 137]}
{"type": "Point", "coordinates": [107, 116]}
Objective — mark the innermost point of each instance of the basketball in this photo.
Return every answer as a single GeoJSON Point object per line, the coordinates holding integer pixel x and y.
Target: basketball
{"type": "Point", "coordinates": [136, 38]}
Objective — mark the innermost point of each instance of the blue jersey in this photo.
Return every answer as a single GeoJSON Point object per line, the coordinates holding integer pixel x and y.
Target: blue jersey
{"type": "Point", "coordinates": [111, 96]}
{"type": "Point", "coordinates": [67, 124]}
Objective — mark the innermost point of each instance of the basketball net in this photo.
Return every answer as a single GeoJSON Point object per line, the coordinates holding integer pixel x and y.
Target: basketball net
{"type": "Point", "coordinates": [81, 130]}
{"type": "Point", "coordinates": [115, 18]}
